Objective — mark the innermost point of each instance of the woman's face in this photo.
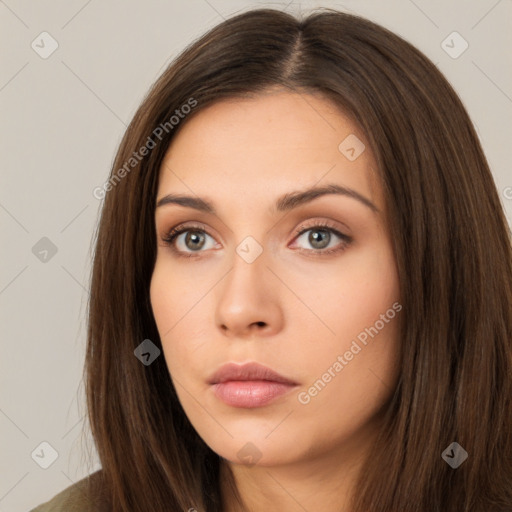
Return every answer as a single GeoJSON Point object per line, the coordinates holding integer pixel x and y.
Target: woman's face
{"type": "Point", "coordinates": [270, 272]}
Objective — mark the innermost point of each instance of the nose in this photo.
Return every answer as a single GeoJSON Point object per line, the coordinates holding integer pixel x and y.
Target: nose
{"type": "Point", "coordinates": [248, 301]}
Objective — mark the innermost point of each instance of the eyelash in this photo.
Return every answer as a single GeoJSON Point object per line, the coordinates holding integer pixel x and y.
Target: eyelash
{"type": "Point", "coordinates": [170, 237]}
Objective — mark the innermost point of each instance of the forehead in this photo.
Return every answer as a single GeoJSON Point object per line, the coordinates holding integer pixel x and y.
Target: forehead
{"type": "Point", "coordinates": [277, 141]}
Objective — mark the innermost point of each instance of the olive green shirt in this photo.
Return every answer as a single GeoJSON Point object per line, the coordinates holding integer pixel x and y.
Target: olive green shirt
{"type": "Point", "coordinates": [74, 498]}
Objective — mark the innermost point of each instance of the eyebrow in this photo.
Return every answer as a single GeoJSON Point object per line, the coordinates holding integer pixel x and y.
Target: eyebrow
{"type": "Point", "coordinates": [284, 203]}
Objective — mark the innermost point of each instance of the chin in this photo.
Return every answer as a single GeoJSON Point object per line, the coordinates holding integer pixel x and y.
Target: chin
{"type": "Point", "coordinates": [252, 447]}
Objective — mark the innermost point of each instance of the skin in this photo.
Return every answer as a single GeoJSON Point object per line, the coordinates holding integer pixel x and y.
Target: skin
{"type": "Point", "coordinates": [291, 309]}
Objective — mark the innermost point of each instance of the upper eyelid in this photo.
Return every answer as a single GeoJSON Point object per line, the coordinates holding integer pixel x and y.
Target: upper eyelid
{"type": "Point", "coordinates": [318, 224]}
{"type": "Point", "coordinates": [304, 226]}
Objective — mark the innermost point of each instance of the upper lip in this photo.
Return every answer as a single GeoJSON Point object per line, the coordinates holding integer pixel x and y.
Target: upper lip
{"type": "Point", "coordinates": [247, 371]}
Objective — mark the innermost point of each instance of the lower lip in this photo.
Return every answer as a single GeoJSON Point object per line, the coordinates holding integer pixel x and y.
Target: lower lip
{"type": "Point", "coordinates": [250, 393]}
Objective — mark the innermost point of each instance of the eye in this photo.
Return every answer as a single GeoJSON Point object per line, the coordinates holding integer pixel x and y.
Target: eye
{"type": "Point", "coordinates": [189, 241]}
{"type": "Point", "coordinates": [186, 240]}
{"type": "Point", "coordinates": [322, 238]}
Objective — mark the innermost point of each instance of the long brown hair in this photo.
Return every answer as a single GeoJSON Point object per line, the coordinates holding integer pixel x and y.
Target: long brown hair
{"type": "Point", "coordinates": [453, 251]}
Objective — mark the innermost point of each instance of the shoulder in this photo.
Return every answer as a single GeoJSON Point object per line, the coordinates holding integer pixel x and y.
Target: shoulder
{"type": "Point", "coordinates": [78, 497]}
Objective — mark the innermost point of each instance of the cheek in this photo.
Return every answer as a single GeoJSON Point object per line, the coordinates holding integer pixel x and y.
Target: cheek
{"type": "Point", "coordinates": [360, 307]}
{"type": "Point", "coordinates": [179, 317]}
{"type": "Point", "coordinates": [351, 294]}
{"type": "Point", "coordinates": [163, 300]}
{"type": "Point", "coordinates": [173, 294]}
{"type": "Point", "coordinates": [371, 283]}
{"type": "Point", "coordinates": [350, 381]}
{"type": "Point", "coordinates": [167, 310]}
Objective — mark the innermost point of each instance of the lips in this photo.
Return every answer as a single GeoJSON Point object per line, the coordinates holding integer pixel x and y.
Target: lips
{"type": "Point", "coordinates": [247, 372]}
{"type": "Point", "coordinates": [249, 385]}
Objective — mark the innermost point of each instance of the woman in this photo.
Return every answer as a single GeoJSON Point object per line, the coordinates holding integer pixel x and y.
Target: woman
{"type": "Point", "coordinates": [300, 219]}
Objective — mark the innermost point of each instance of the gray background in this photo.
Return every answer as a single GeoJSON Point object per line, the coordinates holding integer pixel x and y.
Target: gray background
{"type": "Point", "coordinates": [62, 119]}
